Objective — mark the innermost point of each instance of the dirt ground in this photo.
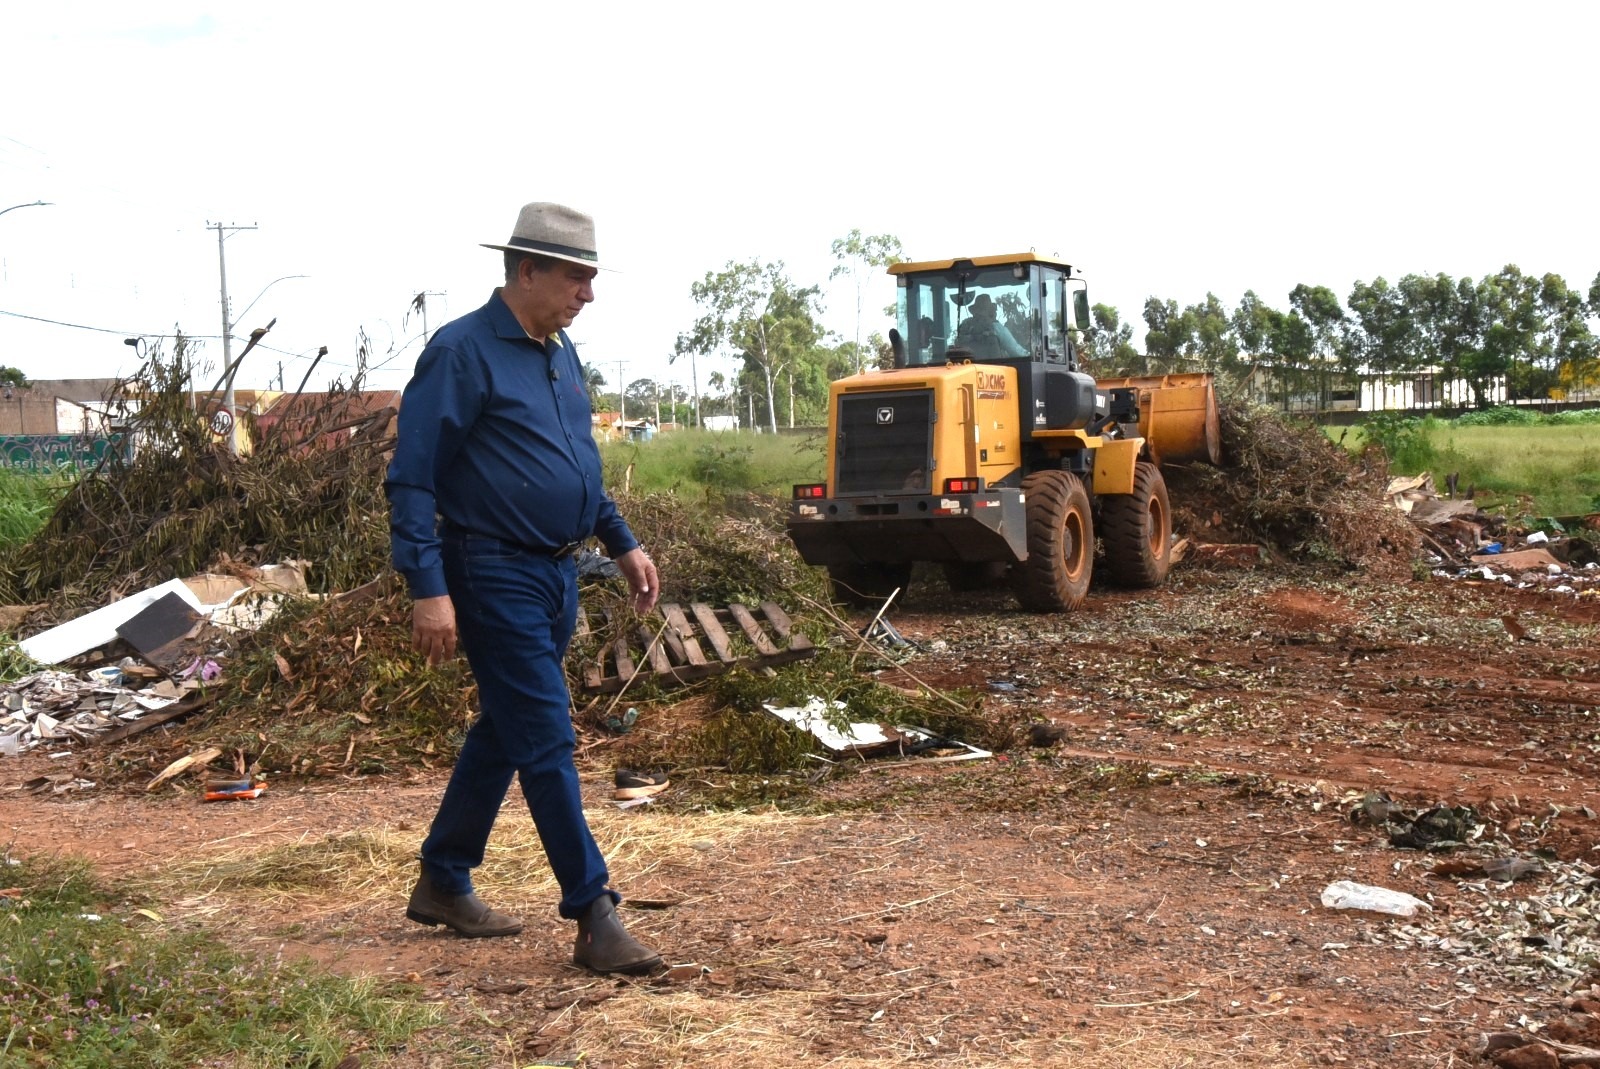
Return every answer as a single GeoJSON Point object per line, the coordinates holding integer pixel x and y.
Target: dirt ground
{"type": "Point", "coordinates": [1144, 892]}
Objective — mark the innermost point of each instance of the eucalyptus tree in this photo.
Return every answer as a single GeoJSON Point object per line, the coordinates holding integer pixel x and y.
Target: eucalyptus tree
{"type": "Point", "coordinates": [857, 253]}
{"type": "Point", "coordinates": [754, 311]}
{"type": "Point", "coordinates": [1564, 346]}
{"type": "Point", "coordinates": [1319, 332]}
{"type": "Point", "coordinates": [1510, 307]}
{"type": "Point", "coordinates": [1108, 343]}
{"type": "Point", "coordinates": [1211, 343]}
{"type": "Point", "coordinates": [1169, 334]}
{"type": "Point", "coordinates": [1383, 332]}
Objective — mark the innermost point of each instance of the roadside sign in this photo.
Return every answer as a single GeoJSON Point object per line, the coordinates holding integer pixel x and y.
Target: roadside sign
{"type": "Point", "coordinates": [221, 422]}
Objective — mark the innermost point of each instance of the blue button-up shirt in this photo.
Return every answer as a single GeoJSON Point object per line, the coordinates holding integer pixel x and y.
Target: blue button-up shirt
{"type": "Point", "coordinates": [494, 437]}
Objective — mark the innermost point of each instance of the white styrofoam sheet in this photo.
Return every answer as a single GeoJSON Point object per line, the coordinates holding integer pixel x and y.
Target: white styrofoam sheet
{"type": "Point", "coordinates": [100, 626]}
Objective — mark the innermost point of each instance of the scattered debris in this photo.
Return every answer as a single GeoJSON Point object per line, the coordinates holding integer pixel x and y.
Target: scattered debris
{"type": "Point", "coordinates": [58, 707]}
{"type": "Point", "coordinates": [882, 633]}
{"type": "Point", "coordinates": [1347, 894]}
{"type": "Point", "coordinates": [1463, 542]}
{"type": "Point", "coordinates": [199, 759]}
{"type": "Point", "coordinates": [233, 790]}
{"type": "Point", "coordinates": [866, 738]}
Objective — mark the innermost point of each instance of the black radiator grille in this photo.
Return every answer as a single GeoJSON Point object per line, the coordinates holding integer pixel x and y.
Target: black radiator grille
{"type": "Point", "coordinates": [885, 443]}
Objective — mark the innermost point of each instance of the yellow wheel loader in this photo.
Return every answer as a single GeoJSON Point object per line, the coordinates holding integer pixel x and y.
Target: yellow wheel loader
{"type": "Point", "coordinates": [988, 450]}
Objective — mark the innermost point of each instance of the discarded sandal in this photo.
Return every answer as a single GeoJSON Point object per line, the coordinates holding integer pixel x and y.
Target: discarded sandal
{"type": "Point", "coordinates": [632, 784]}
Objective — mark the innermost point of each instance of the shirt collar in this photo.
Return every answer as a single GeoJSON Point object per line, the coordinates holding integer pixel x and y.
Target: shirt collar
{"type": "Point", "coordinates": [506, 326]}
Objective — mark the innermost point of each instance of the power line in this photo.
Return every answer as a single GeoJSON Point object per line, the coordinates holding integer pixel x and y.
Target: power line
{"type": "Point", "coordinates": [107, 330]}
{"type": "Point", "coordinates": [192, 337]}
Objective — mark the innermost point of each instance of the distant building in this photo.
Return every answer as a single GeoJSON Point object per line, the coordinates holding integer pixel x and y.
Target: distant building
{"type": "Point", "coordinates": [1330, 390]}
{"type": "Point", "coordinates": [328, 418]}
{"type": "Point", "coordinates": [720, 423]}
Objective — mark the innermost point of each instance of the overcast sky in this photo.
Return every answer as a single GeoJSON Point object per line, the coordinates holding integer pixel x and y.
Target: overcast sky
{"type": "Point", "coordinates": [1167, 149]}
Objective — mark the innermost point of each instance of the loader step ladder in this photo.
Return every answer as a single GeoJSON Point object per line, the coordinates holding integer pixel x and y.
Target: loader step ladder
{"type": "Point", "coordinates": [680, 644]}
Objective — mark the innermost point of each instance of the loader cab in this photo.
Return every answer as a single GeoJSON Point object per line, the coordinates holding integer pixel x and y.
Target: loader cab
{"type": "Point", "coordinates": [990, 309]}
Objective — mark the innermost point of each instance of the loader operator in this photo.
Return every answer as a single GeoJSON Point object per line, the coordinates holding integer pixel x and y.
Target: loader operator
{"type": "Point", "coordinates": [985, 335]}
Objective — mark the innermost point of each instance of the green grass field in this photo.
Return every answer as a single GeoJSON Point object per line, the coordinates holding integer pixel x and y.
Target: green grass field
{"type": "Point", "coordinates": [25, 503]}
{"type": "Point", "coordinates": [1533, 469]}
{"type": "Point", "coordinates": [700, 464]}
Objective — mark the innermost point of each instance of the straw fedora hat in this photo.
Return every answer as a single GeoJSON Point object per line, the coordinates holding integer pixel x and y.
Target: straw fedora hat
{"type": "Point", "coordinates": [553, 230]}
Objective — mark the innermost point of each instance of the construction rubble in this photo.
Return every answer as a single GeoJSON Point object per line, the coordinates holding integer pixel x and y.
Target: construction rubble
{"type": "Point", "coordinates": [1463, 542]}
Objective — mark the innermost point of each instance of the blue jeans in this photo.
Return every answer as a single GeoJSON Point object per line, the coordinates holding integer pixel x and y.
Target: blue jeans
{"type": "Point", "coordinates": [515, 612]}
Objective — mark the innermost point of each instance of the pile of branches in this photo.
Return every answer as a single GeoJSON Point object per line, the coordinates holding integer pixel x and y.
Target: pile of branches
{"type": "Point", "coordinates": [735, 550]}
{"type": "Point", "coordinates": [1285, 484]}
{"type": "Point", "coordinates": [178, 500]}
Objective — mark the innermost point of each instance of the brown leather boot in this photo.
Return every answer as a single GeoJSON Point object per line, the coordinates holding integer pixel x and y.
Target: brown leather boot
{"type": "Point", "coordinates": [603, 945]}
{"type": "Point", "coordinates": [466, 913]}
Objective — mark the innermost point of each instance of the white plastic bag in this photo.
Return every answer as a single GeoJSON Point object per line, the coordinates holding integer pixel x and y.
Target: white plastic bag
{"type": "Point", "coordinates": [1346, 894]}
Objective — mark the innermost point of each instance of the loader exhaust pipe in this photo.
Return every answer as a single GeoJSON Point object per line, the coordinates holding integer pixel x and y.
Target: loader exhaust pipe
{"type": "Point", "coordinates": [897, 345]}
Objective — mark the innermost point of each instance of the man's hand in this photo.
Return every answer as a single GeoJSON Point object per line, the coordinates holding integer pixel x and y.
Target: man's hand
{"type": "Point", "coordinates": [433, 628]}
{"type": "Point", "coordinates": [643, 583]}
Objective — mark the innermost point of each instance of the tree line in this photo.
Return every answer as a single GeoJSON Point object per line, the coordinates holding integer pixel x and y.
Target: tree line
{"type": "Point", "coordinates": [1507, 336]}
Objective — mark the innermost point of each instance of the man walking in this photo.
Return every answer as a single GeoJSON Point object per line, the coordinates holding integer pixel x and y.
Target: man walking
{"type": "Point", "coordinates": [494, 440]}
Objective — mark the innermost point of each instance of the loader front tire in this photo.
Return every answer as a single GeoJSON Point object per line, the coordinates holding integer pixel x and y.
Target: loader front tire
{"type": "Point", "coordinates": [1136, 530]}
{"type": "Point", "coordinates": [1055, 577]}
{"type": "Point", "coordinates": [866, 585]}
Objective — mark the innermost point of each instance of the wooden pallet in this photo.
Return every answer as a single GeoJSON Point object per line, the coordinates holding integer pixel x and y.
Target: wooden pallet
{"type": "Point", "coordinates": [672, 645]}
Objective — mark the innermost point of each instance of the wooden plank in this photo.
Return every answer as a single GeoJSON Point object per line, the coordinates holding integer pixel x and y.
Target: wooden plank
{"type": "Point", "coordinates": [583, 624]}
{"type": "Point", "coordinates": [752, 629]}
{"type": "Point", "coordinates": [683, 673]}
{"type": "Point", "coordinates": [656, 650]}
{"type": "Point", "coordinates": [181, 707]}
{"type": "Point", "coordinates": [626, 669]}
{"type": "Point", "coordinates": [788, 656]}
{"type": "Point", "coordinates": [675, 647]}
{"type": "Point", "coordinates": [718, 638]}
{"type": "Point", "coordinates": [678, 625]}
{"type": "Point", "coordinates": [592, 679]}
{"type": "Point", "coordinates": [783, 626]}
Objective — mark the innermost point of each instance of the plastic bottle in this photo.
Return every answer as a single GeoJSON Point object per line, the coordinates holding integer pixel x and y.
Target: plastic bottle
{"type": "Point", "coordinates": [1346, 894]}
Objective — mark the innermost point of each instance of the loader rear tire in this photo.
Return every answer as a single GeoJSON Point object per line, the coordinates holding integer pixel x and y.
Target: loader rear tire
{"type": "Point", "coordinates": [1136, 530]}
{"type": "Point", "coordinates": [1055, 577]}
{"type": "Point", "coordinates": [864, 585]}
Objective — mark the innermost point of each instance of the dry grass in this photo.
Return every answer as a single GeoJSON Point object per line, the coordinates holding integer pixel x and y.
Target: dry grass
{"type": "Point", "coordinates": [378, 866]}
{"type": "Point", "coordinates": [757, 1013]}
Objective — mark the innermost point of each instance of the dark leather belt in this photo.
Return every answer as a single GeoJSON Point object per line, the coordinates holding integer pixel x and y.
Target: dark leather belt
{"type": "Point", "coordinates": [455, 531]}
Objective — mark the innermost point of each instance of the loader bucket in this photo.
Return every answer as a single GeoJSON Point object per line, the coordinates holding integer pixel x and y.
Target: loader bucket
{"type": "Point", "coordinates": [1177, 415]}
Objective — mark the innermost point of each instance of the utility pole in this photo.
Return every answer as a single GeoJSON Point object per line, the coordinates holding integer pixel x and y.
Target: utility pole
{"type": "Point", "coordinates": [227, 327]}
{"type": "Point", "coordinates": [622, 392]}
{"type": "Point", "coordinates": [420, 303]}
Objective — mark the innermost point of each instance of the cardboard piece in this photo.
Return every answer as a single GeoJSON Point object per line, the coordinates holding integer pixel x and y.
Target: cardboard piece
{"type": "Point", "coordinates": [1520, 560]}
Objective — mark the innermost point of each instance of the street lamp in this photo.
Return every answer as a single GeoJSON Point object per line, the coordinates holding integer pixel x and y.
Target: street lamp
{"type": "Point", "coordinates": [230, 364]}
